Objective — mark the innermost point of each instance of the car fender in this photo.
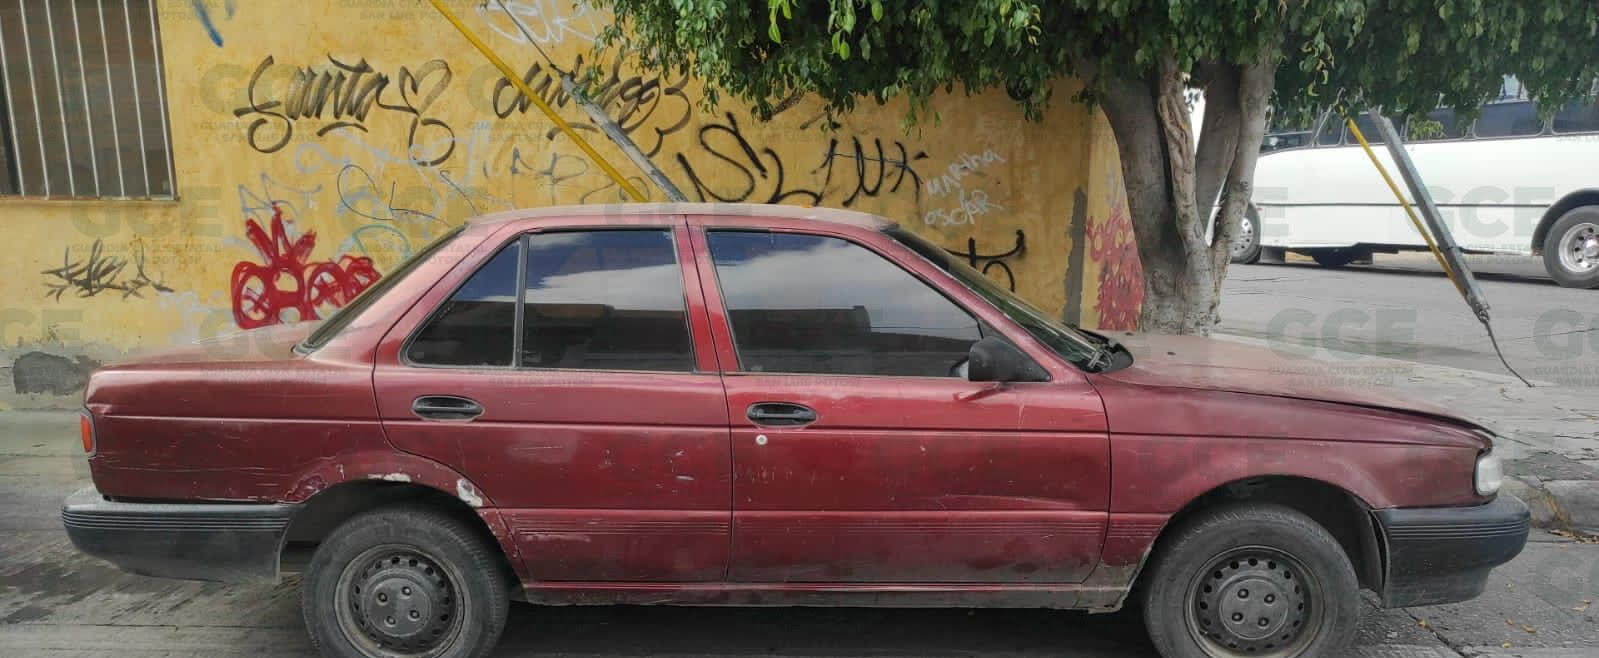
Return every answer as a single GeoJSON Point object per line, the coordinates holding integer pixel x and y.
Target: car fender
{"type": "Point", "coordinates": [392, 466]}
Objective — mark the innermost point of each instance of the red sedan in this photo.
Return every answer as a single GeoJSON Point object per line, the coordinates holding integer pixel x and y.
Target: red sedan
{"type": "Point", "coordinates": [759, 405]}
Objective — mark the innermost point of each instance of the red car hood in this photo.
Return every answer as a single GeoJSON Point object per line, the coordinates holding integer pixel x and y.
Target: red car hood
{"type": "Point", "coordinates": [265, 344]}
{"type": "Point", "coordinates": [1210, 364]}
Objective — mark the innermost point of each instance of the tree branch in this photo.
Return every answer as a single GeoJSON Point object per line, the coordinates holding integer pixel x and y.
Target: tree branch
{"type": "Point", "coordinates": [1218, 135]}
{"type": "Point", "coordinates": [1178, 143]}
{"type": "Point", "coordinates": [1255, 81]}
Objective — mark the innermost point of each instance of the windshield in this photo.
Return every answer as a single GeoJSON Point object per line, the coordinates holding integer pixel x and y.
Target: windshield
{"type": "Point", "coordinates": [342, 317]}
{"type": "Point", "coordinates": [1067, 341]}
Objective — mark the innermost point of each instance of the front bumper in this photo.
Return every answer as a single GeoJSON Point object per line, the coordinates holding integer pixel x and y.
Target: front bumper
{"type": "Point", "coordinates": [196, 541]}
{"type": "Point", "coordinates": [1443, 555]}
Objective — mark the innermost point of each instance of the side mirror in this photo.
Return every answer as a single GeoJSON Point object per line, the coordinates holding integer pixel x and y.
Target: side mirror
{"type": "Point", "coordinates": [994, 360]}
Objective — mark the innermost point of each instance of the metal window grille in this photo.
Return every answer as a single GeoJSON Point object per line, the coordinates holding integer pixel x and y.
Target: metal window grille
{"type": "Point", "coordinates": [82, 100]}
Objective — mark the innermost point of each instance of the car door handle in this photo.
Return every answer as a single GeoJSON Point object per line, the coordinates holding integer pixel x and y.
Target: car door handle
{"type": "Point", "coordinates": [446, 407]}
{"type": "Point", "coordinates": [780, 413]}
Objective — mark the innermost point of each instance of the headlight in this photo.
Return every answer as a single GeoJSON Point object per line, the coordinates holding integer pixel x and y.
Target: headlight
{"type": "Point", "coordinates": [1489, 475]}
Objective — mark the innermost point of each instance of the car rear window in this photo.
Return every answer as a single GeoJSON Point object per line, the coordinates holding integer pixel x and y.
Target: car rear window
{"type": "Point", "coordinates": [590, 300]}
{"type": "Point", "coordinates": [344, 316]}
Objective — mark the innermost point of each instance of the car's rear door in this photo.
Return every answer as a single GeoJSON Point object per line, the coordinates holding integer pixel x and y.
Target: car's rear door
{"type": "Point", "coordinates": [860, 454]}
{"type": "Point", "coordinates": [568, 372]}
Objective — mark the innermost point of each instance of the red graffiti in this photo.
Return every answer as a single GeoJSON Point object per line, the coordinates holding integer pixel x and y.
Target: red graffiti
{"type": "Point", "coordinates": [263, 291]}
{"type": "Point", "coordinates": [1121, 276]}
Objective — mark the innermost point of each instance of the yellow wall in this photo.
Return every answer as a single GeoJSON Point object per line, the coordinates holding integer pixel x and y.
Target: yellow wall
{"type": "Point", "coordinates": [424, 147]}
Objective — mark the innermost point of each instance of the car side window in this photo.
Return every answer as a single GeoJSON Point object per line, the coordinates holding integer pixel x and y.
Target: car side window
{"type": "Point", "coordinates": [817, 304]}
{"type": "Point", "coordinates": [476, 326]}
{"type": "Point", "coordinates": [605, 300]}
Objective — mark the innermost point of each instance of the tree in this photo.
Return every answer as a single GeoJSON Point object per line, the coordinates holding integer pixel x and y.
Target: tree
{"type": "Point", "coordinates": [1136, 58]}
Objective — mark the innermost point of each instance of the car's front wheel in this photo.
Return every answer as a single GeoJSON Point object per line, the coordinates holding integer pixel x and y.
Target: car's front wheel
{"type": "Point", "coordinates": [1251, 580]}
{"type": "Point", "coordinates": [405, 582]}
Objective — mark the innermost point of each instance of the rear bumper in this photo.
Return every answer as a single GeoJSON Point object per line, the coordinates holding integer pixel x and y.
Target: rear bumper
{"type": "Point", "coordinates": [195, 541]}
{"type": "Point", "coordinates": [1443, 555]}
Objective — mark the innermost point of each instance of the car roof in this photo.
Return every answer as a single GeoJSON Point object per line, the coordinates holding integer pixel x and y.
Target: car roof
{"type": "Point", "coordinates": [834, 215]}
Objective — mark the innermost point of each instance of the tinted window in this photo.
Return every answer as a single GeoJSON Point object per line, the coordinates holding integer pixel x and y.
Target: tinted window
{"type": "Point", "coordinates": [813, 304]}
{"type": "Point", "coordinates": [1509, 120]}
{"type": "Point", "coordinates": [605, 300]}
{"type": "Point", "coordinates": [1439, 124]}
{"type": "Point", "coordinates": [1280, 141]}
{"type": "Point", "coordinates": [1578, 117]}
{"type": "Point", "coordinates": [1368, 129]}
{"type": "Point", "coordinates": [1332, 131]}
{"type": "Point", "coordinates": [476, 326]}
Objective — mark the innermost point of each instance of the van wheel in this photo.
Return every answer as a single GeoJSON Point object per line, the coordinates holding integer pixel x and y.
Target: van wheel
{"type": "Point", "coordinates": [1335, 258]}
{"type": "Point", "coordinates": [404, 582]}
{"type": "Point", "coordinates": [1251, 580]}
{"type": "Point", "coordinates": [1246, 243]}
{"type": "Point", "coordinates": [1571, 248]}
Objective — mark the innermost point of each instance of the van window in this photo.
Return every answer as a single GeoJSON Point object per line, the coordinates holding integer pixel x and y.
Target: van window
{"type": "Point", "coordinates": [1441, 123]}
{"type": "Point", "coordinates": [1332, 131]}
{"type": "Point", "coordinates": [1579, 117]}
{"type": "Point", "coordinates": [1512, 119]}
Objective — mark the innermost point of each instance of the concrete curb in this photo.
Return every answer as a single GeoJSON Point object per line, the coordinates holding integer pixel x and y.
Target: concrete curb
{"type": "Point", "coordinates": [1568, 505]}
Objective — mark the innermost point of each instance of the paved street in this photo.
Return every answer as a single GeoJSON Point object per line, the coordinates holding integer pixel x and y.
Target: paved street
{"type": "Point", "coordinates": [1403, 307]}
{"type": "Point", "coordinates": [54, 602]}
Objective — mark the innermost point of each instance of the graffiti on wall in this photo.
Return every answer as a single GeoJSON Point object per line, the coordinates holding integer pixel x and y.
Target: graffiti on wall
{"type": "Point", "coordinates": [288, 280]}
{"type": "Point", "coordinates": [99, 272]}
{"type": "Point", "coordinates": [993, 262]}
{"type": "Point", "coordinates": [634, 101]}
{"type": "Point", "coordinates": [869, 168]}
{"type": "Point", "coordinates": [341, 96]}
{"type": "Point", "coordinates": [726, 165]}
{"type": "Point", "coordinates": [1121, 276]}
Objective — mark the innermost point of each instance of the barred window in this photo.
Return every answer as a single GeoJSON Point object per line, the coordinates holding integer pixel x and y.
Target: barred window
{"type": "Point", "coordinates": [83, 107]}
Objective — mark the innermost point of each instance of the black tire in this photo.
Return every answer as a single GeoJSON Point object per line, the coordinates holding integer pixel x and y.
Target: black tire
{"type": "Point", "coordinates": [1246, 248]}
{"type": "Point", "coordinates": [1335, 258]}
{"type": "Point", "coordinates": [1197, 593]}
{"type": "Point", "coordinates": [1563, 255]}
{"type": "Point", "coordinates": [437, 568]}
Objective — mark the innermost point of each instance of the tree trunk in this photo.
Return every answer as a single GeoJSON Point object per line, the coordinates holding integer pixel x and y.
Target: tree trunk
{"type": "Point", "coordinates": [1172, 186]}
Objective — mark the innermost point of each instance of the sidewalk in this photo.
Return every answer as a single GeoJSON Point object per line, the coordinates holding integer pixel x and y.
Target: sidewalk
{"type": "Point", "coordinates": [1549, 435]}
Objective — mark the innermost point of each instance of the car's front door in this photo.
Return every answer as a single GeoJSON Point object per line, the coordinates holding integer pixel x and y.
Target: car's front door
{"type": "Point", "coordinates": [590, 413]}
{"type": "Point", "coordinates": [860, 451]}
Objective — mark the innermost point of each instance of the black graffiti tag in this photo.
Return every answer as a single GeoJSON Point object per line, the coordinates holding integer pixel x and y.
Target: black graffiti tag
{"type": "Point", "coordinates": [726, 142]}
{"type": "Point", "coordinates": [872, 168]}
{"type": "Point", "coordinates": [631, 101]}
{"type": "Point", "coordinates": [343, 96]}
{"type": "Point", "coordinates": [98, 273]}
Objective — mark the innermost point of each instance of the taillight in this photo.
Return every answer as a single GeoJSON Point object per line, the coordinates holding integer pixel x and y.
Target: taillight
{"type": "Point", "coordinates": [86, 431]}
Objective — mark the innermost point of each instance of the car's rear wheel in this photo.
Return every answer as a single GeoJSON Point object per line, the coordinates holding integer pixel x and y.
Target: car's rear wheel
{"type": "Point", "coordinates": [404, 582]}
{"type": "Point", "coordinates": [1571, 248]}
{"type": "Point", "coordinates": [1251, 580]}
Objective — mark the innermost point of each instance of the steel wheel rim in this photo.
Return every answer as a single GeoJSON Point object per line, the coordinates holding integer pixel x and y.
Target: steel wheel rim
{"type": "Point", "coordinates": [1254, 601]}
{"type": "Point", "coordinates": [397, 601]}
{"type": "Point", "coordinates": [1245, 239]}
{"type": "Point", "coordinates": [1579, 248]}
